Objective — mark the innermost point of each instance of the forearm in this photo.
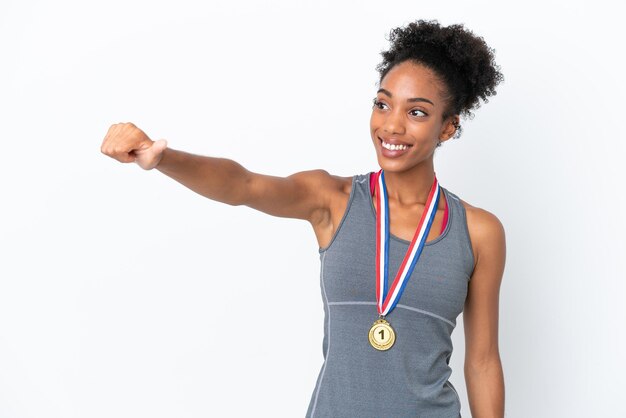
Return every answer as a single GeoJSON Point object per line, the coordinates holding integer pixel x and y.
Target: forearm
{"type": "Point", "coordinates": [218, 179]}
{"type": "Point", "coordinates": [485, 389]}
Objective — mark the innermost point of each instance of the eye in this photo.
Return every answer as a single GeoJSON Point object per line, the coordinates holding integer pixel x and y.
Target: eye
{"type": "Point", "coordinates": [418, 110]}
{"type": "Point", "coordinates": [378, 103]}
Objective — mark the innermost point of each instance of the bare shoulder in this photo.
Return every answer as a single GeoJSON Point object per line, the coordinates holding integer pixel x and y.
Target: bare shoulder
{"type": "Point", "coordinates": [481, 219]}
{"type": "Point", "coordinates": [342, 184]}
{"type": "Point", "coordinates": [485, 229]}
{"type": "Point", "coordinates": [330, 182]}
{"type": "Point", "coordinates": [325, 183]}
{"type": "Point", "coordinates": [323, 179]}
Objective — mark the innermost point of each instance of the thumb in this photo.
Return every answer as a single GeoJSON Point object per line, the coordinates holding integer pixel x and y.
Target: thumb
{"type": "Point", "coordinates": [159, 146]}
{"type": "Point", "coordinates": [154, 147]}
{"type": "Point", "coordinates": [149, 154]}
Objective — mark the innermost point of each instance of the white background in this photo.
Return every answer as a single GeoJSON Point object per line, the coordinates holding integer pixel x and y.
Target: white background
{"type": "Point", "coordinates": [114, 280]}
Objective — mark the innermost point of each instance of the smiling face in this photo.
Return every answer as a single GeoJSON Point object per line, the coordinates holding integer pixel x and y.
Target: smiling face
{"type": "Point", "coordinates": [407, 114]}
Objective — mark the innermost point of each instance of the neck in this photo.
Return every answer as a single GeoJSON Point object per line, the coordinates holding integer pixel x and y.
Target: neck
{"type": "Point", "coordinates": [412, 186]}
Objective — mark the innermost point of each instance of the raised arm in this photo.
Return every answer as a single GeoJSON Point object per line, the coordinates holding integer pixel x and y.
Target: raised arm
{"type": "Point", "coordinates": [303, 195]}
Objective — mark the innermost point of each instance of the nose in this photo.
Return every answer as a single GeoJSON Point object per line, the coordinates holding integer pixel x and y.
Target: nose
{"type": "Point", "coordinates": [394, 123]}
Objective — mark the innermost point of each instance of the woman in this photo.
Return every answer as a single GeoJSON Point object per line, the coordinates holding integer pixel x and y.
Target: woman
{"type": "Point", "coordinates": [401, 256]}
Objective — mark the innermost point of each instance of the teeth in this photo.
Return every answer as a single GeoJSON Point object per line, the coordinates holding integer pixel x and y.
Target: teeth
{"type": "Point", "coordinates": [394, 147]}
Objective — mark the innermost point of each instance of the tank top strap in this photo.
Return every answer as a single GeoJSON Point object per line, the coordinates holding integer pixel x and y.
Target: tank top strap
{"type": "Point", "coordinates": [457, 218]}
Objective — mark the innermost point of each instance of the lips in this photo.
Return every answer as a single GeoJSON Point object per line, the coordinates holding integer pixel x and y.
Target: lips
{"type": "Point", "coordinates": [393, 153]}
{"type": "Point", "coordinates": [393, 141]}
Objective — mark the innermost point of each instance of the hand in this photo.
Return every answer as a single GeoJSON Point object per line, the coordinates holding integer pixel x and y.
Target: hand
{"type": "Point", "coordinates": [127, 143]}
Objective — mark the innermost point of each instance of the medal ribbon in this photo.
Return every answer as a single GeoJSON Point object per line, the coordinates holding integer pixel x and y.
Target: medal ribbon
{"type": "Point", "coordinates": [387, 300]}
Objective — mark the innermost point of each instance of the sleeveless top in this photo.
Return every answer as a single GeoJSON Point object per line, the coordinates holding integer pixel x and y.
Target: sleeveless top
{"type": "Point", "coordinates": [411, 378]}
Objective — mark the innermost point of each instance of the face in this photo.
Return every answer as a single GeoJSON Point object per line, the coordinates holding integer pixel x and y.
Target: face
{"type": "Point", "coordinates": [407, 113]}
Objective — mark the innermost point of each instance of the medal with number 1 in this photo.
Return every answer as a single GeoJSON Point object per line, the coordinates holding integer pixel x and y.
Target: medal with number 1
{"type": "Point", "coordinates": [381, 335]}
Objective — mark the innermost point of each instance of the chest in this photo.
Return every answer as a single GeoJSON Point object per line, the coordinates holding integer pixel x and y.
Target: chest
{"type": "Point", "coordinates": [403, 222]}
{"type": "Point", "coordinates": [437, 284]}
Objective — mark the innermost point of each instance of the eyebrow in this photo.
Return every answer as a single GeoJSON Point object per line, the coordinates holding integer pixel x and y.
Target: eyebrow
{"type": "Point", "coordinates": [413, 99]}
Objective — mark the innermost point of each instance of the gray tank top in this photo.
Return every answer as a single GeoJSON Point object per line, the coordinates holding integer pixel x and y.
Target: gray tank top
{"type": "Point", "coordinates": [411, 378]}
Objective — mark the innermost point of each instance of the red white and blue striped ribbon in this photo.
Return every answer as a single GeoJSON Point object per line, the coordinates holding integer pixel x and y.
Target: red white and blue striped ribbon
{"type": "Point", "coordinates": [387, 299]}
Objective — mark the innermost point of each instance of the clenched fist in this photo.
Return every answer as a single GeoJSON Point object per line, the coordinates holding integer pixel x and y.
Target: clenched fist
{"type": "Point", "coordinates": [127, 143]}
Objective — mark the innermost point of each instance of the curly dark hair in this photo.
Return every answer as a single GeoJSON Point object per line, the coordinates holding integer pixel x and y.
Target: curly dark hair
{"type": "Point", "coordinates": [461, 60]}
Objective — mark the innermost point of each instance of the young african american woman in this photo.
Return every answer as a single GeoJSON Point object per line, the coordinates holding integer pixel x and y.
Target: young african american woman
{"type": "Point", "coordinates": [401, 256]}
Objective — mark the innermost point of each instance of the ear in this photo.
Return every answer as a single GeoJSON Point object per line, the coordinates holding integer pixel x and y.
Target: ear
{"type": "Point", "coordinates": [449, 128]}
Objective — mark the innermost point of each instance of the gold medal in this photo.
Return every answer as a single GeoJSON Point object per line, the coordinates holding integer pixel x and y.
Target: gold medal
{"type": "Point", "coordinates": [381, 335]}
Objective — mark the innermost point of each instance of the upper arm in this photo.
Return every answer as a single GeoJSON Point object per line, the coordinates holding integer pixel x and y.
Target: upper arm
{"type": "Point", "coordinates": [480, 314]}
{"type": "Point", "coordinates": [302, 195]}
